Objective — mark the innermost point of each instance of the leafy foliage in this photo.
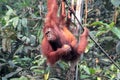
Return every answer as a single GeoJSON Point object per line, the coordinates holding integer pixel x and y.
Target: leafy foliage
{"type": "Point", "coordinates": [21, 23]}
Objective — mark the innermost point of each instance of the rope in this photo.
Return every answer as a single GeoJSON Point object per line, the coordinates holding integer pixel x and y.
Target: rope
{"type": "Point", "coordinates": [105, 53]}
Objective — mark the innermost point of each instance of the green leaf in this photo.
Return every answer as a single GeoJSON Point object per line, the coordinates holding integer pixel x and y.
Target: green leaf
{"type": "Point", "coordinates": [24, 38]}
{"type": "Point", "coordinates": [98, 78]}
{"type": "Point", "coordinates": [19, 27]}
{"type": "Point", "coordinates": [92, 71]}
{"type": "Point", "coordinates": [41, 61]}
{"type": "Point", "coordinates": [116, 31]}
{"type": "Point", "coordinates": [24, 22]}
{"type": "Point", "coordinates": [34, 67]}
{"type": "Point", "coordinates": [38, 71]}
{"type": "Point", "coordinates": [100, 32]}
{"type": "Point", "coordinates": [27, 40]}
{"type": "Point", "coordinates": [62, 65]}
{"type": "Point", "coordinates": [32, 40]}
{"type": "Point", "coordinates": [15, 21]}
{"type": "Point", "coordinates": [111, 24]}
{"type": "Point", "coordinates": [2, 60]}
{"type": "Point", "coordinates": [26, 59]}
{"type": "Point", "coordinates": [98, 23]}
{"type": "Point", "coordinates": [19, 50]}
{"type": "Point", "coordinates": [23, 78]}
{"type": "Point", "coordinates": [10, 11]}
{"type": "Point", "coordinates": [85, 68]}
{"type": "Point", "coordinates": [84, 76]}
{"type": "Point", "coordinates": [112, 67]}
{"type": "Point", "coordinates": [116, 3]}
{"type": "Point", "coordinates": [6, 18]}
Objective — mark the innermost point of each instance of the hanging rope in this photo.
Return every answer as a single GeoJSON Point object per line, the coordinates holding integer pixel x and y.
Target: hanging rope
{"type": "Point", "coordinates": [105, 53]}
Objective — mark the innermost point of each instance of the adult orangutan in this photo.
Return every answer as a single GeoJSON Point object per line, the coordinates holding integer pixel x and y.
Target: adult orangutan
{"type": "Point", "coordinates": [58, 42]}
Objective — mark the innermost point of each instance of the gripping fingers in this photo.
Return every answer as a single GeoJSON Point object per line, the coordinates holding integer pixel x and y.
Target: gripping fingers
{"type": "Point", "coordinates": [67, 48]}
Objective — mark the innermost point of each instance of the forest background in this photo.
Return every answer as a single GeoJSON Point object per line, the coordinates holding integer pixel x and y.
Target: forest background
{"type": "Point", "coordinates": [21, 23]}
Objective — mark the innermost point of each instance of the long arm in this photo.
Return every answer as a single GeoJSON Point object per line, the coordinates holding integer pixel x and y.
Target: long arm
{"type": "Point", "coordinates": [51, 16]}
{"type": "Point", "coordinates": [69, 36]}
{"type": "Point", "coordinates": [63, 14]}
{"type": "Point", "coordinates": [71, 39]}
{"type": "Point", "coordinates": [52, 7]}
{"type": "Point", "coordinates": [54, 56]}
{"type": "Point", "coordinates": [51, 55]}
{"type": "Point", "coordinates": [83, 41]}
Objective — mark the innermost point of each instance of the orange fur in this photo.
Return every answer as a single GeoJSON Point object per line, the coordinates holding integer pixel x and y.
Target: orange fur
{"type": "Point", "coordinates": [65, 47]}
